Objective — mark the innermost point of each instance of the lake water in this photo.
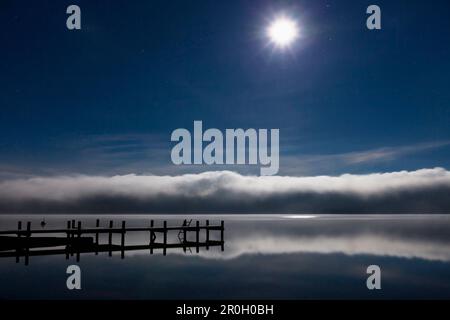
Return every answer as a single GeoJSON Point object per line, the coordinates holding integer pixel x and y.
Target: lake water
{"type": "Point", "coordinates": [264, 257]}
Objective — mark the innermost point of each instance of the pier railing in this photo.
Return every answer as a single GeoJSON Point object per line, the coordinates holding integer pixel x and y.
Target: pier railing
{"type": "Point", "coordinates": [75, 240]}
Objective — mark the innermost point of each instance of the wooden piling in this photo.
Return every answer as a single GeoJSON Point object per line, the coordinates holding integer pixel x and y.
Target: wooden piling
{"type": "Point", "coordinates": [28, 229]}
{"type": "Point", "coordinates": [122, 241]}
{"type": "Point", "coordinates": [197, 236]}
{"type": "Point", "coordinates": [207, 234]}
{"type": "Point", "coordinates": [97, 225]}
{"type": "Point", "coordinates": [27, 249]}
{"type": "Point", "coordinates": [151, 236]}
{"type": "Point", "coordinates": [222, 228]}
{"type": "Point", "coordinates": [110, 237]}
{"type": "Point", "coordinates": [68, 240]}
{"type": "Point", "coordinates": [165, 237]}
{"type": "Point", "coordinates": [78, 245]}
{"type": "Point", "coordinates": [19, 229]}
{"type": "Point", "coordinates": [184, 236]}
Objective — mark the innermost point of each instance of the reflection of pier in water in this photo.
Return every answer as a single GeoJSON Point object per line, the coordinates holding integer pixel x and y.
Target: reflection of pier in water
{"type": "Point", "coordinates": [76, 240]}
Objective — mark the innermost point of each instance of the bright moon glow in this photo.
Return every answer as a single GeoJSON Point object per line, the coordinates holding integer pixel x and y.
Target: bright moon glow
{"type": "Point", "coordinates": [283, 32]}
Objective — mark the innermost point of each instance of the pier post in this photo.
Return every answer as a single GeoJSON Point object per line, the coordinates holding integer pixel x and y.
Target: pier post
{"type": "Point", "coordinates": [207, 234]}
{"type": "Point", "coordinates": [222, 228]}
{"type": "Point", "coordinates": [151, 236]}
{"type": "Point", "coordinates": [110, 237]}
{"type": "Point", "coordinates": [72, 236]}
{"type": "Point", "coordinates": [19, 229]}
{"type": "Point", "coordinates": [165, 238]}
{"type": "Point", "coordinates": [73, 227]}
{"type": "Point", "coordinates": [78, 244]}
{"type": "Point", "coordinates": [97, 225]}
{"type": "Point", "coordinates": [184, 235]}
{"type": "Point", "coordinates": [68, 240]}
{"type": "Point", "coordinates": [122, 241]}
{"type": "Point", "coordinates": [197, 236]}
{"type": "Point", "coordinates": [27, 249]}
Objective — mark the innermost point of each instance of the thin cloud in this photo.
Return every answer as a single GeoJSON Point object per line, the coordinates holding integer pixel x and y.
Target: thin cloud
{"type": "Point", "coordinates": [308, 163]}
{"type": "Point", "coordinates": [391, 153]}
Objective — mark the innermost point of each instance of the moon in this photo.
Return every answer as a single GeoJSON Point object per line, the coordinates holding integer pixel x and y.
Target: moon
{"type": "Point", "coordinates": [282, 32]}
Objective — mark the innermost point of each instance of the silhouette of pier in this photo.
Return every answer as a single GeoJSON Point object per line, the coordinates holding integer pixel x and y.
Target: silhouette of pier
{"type": "Point", "coordinates": [75, 240]}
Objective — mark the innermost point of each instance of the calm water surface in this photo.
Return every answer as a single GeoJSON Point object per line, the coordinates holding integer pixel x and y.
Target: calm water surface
{"type": "Point", "coordinates": [265, 257]}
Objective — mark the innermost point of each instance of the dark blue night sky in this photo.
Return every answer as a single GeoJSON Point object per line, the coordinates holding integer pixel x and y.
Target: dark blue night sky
{"type": "Point", "coordinates": [105, 99]}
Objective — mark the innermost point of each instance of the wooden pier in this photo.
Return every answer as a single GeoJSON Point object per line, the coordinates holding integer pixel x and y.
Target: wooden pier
{"type": "Point", "coordinates": [75, 240]}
